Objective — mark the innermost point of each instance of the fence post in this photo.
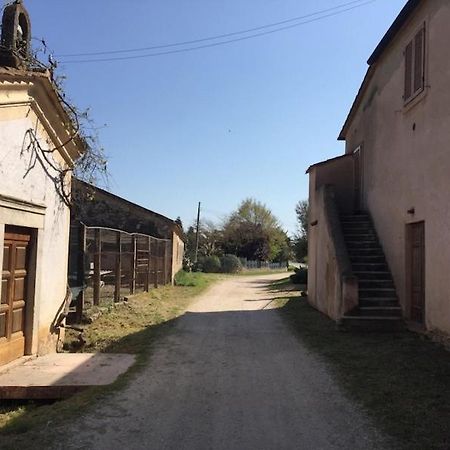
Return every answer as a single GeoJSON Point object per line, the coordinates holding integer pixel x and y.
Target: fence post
{"type": "Point", "coordinates": [81, 272]}
{"type": "Point", "coordinates": [133, 265]}
{"type": "Point", "coordinates": [147, 284]}
{"type": "Point", "coordinates": [165, 264]}
{"type": "Point", "coordinates": [156, 263]}
{"type": "Point", "coordinates": [118, 279]}
{"type": "Point", "coordinates": [97, 263]}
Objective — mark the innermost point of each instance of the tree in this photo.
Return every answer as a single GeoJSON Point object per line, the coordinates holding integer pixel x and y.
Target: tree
{"type": "Point", "coordinates": [300, 241]}
{"type": "Point", "coordinates": [253, 232]}
{"type": "Point", "coordinates": [208, 243]}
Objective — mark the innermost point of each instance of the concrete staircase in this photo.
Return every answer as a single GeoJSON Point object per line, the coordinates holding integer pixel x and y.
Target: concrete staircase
{"type": "Point", "coordinates": [378, 309]}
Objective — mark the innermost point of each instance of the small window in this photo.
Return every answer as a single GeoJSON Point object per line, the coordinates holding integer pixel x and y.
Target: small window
{"type": "Point", "coordinates": [415, 66]}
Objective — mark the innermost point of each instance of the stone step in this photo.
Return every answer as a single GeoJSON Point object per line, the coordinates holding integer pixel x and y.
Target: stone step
{"type": "Point", "coordinates": [376, 284]}
{"type": "Point", "coordinates": [355, 217]}
{"type": "Point", "coordinates": [372, 323]}
{"type": "Point", "coordinates": [373, 275]}
{"type": "Point", "coordinates": [363, 235]}
{"type": "Point", "coordinates": [377, 292]}
{"type": "Point", "coordinates": [348, 226]}
{"type": "Point", "coordinates": [378, 311]}
{"type": "Point", "coordinates": [365, 252]}
{"type": "Point", "coordinates": [369, 267]}
{"type": "Point", "coordinates": [363, 245]}
{"type": "Point", "coordinates": [378, 301]}
{"type": "Point", "coordinates": [368, 259]}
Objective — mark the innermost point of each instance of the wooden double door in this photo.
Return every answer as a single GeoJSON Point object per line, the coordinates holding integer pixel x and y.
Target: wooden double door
{"type": "Point", "coordinates": [14, 293]}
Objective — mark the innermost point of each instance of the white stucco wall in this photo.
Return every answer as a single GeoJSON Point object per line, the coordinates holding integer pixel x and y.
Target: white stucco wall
{"type": "Point", "coordinates": [177, 254]}
{"type": "Point", "coordinates": [53, 221]}
{"type": "Point", "coordinates": [407, 157]}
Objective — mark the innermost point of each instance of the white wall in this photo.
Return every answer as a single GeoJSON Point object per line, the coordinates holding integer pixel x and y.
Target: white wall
{"type": "Point", "coordinates": [36, 188]}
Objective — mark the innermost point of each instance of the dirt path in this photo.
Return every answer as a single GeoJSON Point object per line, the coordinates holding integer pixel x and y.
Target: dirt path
{"type": "Point", "coordinates": [229, 375]}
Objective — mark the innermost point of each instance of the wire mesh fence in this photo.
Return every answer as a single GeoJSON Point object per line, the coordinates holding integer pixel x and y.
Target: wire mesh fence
{"type": "Point", "coordinates": [250, 264]}
{"type": "Point", "coordinates": [106, 265]}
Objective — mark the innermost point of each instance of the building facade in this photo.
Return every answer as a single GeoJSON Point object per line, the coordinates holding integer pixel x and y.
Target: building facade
{"type": "Point", "coordinates": [37, 146]}
{"type": "Point", "coordinates": [395, 168]}
{"type": "Point", "coordinates": [96, 207]}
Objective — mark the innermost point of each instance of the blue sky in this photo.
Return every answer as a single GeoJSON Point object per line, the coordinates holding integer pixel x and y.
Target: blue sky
{"type": "Point", "coordinates": [220, 124]}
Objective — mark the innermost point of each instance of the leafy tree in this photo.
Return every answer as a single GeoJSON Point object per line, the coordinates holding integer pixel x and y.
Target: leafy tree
{"type": "Point", "coordinates": [253, 232]}
{"type": "Point", "coordinates": [208, 242]}
{"type": "Point", "coordinates": [300, 241]}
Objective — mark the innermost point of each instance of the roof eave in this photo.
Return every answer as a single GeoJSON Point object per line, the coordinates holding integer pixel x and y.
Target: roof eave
{"type": "Point", "coordinates": [356, 103]}
{"type": "Point", "coordinates": [396, 26]}
{"type": "Point", "coordinates": [393, 30]}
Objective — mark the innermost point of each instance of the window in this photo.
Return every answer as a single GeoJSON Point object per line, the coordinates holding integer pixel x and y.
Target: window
{"type": "Point", "coordinates": [415, 66]}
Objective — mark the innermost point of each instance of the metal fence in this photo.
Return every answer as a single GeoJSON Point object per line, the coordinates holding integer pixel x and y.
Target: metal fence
{"type": "Point", "coordinates": [106, 265]}
{"type": "Point", "coordinates": [249, 264]}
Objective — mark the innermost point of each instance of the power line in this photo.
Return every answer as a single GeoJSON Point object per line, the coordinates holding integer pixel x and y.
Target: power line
{"type": "Point", "coordinates": [216, 44]}
{"type": "Point", "coordinates": [210, 38]}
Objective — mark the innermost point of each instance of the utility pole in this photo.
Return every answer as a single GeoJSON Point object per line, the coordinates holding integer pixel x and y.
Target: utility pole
{"type": "Point", "coordinates": [197, 234]}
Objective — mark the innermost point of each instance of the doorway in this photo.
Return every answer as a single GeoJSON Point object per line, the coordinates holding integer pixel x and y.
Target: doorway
{"type": "Point", "coordinates": [416, 270]}
{"type": "Point", "coordinates": [358, 182]}
{"type": "Point", "coordinates": [14, 293]}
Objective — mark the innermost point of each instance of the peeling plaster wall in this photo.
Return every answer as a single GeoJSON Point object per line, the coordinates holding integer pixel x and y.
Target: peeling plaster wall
{"type": "Point", "coordinates": [51, 227]}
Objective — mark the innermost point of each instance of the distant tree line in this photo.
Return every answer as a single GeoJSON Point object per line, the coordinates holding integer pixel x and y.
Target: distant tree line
{"type": "Point", "coordinates": [250, 232]}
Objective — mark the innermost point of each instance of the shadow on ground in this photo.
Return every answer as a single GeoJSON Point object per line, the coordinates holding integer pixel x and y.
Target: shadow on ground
{"type": "Point", "coordinates": [402, 379]}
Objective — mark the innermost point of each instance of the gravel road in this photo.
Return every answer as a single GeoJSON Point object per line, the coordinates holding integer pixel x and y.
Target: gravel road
{"type": "Point", "coordinates": [229, 375]}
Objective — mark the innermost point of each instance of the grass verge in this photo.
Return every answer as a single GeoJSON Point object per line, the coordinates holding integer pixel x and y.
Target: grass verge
{"type": "Point", "coordinates": [402, 380]}
{"type": "Point", "coordinates": [128, 327]}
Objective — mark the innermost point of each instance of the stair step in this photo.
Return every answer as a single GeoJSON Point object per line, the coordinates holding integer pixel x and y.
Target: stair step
{"type": "Point", "coordinates": [377, 311]}
{"type": "Point", "coordinates": [365, 253]}
{"type": "Point", "coordinates": [373, 323]}
{"type": "Point", "coordinates": [369, 259]}
{"type": "Point", "coordinates": [377, 292]}
{"type": "Point", "coordinates": [364, 245]}
{"type": "Point", "coordinates": [378, 301]}
{"type": "Point", "coordinates": [357, 226]}
{"type": "Point", "coordinates": [378, 308]}
{"type": "Point", "coordinates": [363, 235]}
{"type": "Point", "coordinates": [373, 275]}
{"type": "Point", "coordinates": [376, 284]}
{"type": "Point", "coordinates": [369, 267]}
{"type": "Point", "coordinates": [356, 218]}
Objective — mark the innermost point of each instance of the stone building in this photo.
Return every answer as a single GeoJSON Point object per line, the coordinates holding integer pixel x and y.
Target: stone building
{"type": "Point", "coordinates": [96, 207]}
{"type": "Point", "coordinates": [379, 247]}
{"type": "Point", "coordinates": [37, 146]}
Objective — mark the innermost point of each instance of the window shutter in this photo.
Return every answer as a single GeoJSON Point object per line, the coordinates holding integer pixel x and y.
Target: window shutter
{"type": "Point", "coordinates": [408, 70]}
{"type": "Point", "coordinates": [418, 61]}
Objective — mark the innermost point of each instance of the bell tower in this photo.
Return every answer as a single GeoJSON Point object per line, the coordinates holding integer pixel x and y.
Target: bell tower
{"type": "Point", "coordinates": [15, 43]}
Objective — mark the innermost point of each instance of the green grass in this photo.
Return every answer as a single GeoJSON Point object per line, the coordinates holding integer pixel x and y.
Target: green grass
{"type": "Point", "coordinates": [198, 280]}
{"type": "Point", "coordinates": [129, 327]}
{"type": "Point", "coordinates": [402, 380]}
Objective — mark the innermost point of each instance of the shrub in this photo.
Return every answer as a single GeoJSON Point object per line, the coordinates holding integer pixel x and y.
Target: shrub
{"type": "Point", "coordinates": [211, 264]}
{"type": "Point", "coordinates": [190, 279]}
{"type": "Point", "coordinates": [300, 276]}
{"type": "Point", "coordinates": [230, 264]}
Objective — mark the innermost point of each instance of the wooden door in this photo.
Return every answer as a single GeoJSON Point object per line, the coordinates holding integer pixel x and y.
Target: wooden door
{"type": "Point", "coordinates": [417, 271]}
{"type": "Point", "coordinates": [13, 304]}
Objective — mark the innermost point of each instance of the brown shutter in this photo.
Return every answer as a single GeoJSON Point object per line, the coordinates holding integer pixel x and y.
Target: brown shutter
{"type": "Point", "coordinates": [418, 60]}
{"type": "Point", "coordinates": [408, 70]}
